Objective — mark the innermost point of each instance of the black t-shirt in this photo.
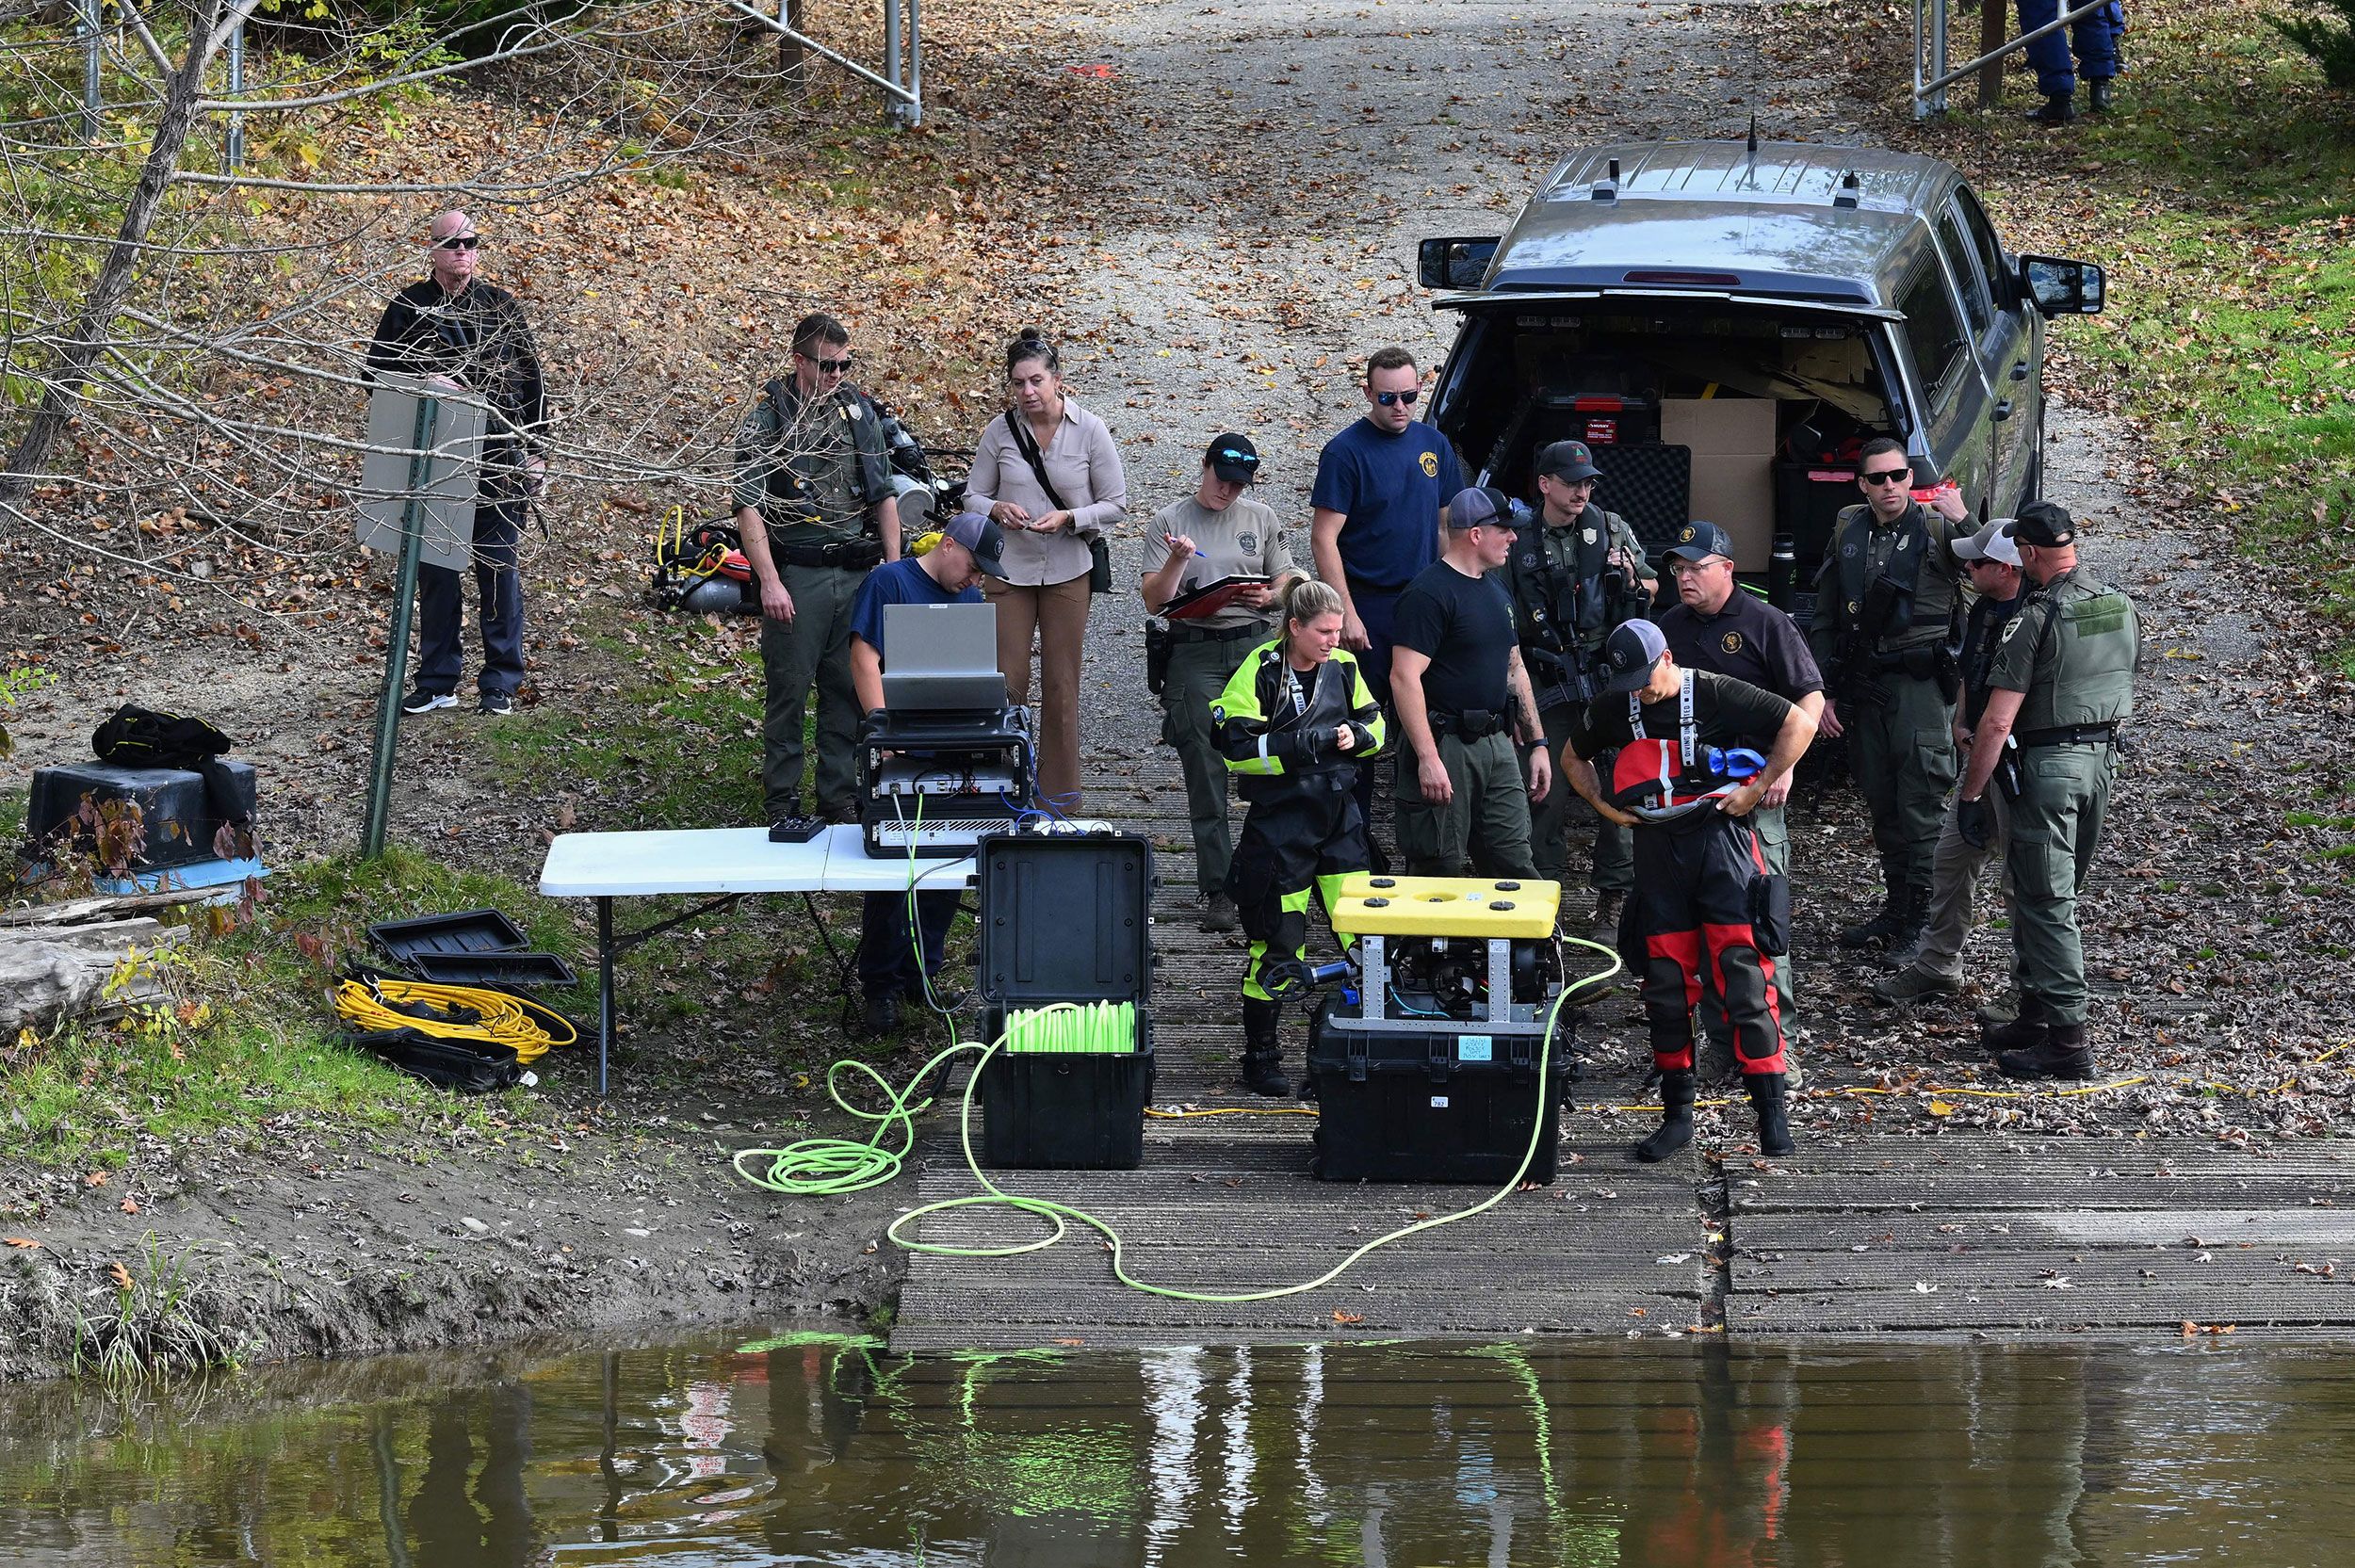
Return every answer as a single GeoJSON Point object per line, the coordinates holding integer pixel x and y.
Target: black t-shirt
{"type": "Point", "coordinates": [1726, 712]}
{"type": "Point", "coordinates": [1980, 634]}
{"type": "Point", "coordinates": [1464, 626]}
{"type": "Point", "coordinates": [1750, 641]}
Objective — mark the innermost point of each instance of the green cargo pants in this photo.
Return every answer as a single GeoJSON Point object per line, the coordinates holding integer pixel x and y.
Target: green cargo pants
{"type": "Point", "coordinates": [812, 648]}
{"type": "Point", "coordinates": [2055, 826]}
{"type": "Point", "coordinates": [1198, 672]}
{"type": "Point", "coordinates": [1612, 867]}
{"type": "Point", "coordinates": [1901, 751]}
{"type": "Point", "coordinates": [1484, 829]}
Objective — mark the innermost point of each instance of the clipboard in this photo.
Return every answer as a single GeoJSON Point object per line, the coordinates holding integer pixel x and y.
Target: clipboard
{"type": "Point", "coordinates": [1209, 598]}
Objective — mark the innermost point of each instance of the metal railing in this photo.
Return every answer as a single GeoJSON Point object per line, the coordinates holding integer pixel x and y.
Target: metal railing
{"type": "Point", "coordinates": [1933, 74]}
{"type": "Point", "coordinates": [902, 80]}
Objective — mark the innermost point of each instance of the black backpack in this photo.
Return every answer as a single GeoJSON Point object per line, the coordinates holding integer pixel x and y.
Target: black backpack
{"type": "Point", "coordinates": [148, 738]}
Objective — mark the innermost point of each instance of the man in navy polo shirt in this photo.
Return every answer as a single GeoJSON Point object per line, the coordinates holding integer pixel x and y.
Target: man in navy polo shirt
{"type": "Point", "coordinates": [1715, 624]}
{"type": "Point", "coordinates": [947, 574]}
{"type": "Point", "coordinates": [1381, 487]}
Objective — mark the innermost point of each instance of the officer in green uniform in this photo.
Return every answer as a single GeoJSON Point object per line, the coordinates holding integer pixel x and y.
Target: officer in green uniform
{"type": "Point", "coordinates": [1572, 579]}
{"type": "Point", "coordinates": [817, 511]}
{"type": "Point", "coordinates": [1887, 627]}
{"type": "Point", "coordinates": [2062, 682]}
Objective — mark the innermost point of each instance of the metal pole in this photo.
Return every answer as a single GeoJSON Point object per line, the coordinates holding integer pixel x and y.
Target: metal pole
{"type": "Point", "coordinates": [1937, 54]}
{"type": "Point", "coordinates": [1958, 73]}
{"type": "Point", "coordinates": [397, 637]}
{"type": "Point", "coordinates": [233, 151]}
{"type": "Point", "coordinates": [604, 987]}
{"type": "Point", "coordinates": [1920, 111]}
{"type": "Point", "coordinates": [916, 62]}
{"type": "Point", "coordinates": [891, 55]}
{"type": "Point", "coordinates": [94, 102]}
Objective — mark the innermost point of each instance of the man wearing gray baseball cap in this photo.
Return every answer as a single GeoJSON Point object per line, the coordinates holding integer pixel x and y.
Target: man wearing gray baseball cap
{"type": "Point", "coordinates": [1706, 912]}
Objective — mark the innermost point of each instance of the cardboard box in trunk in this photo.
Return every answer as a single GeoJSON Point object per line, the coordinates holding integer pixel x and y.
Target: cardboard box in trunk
{"type": "Point", "coordinates": [1733, 484]}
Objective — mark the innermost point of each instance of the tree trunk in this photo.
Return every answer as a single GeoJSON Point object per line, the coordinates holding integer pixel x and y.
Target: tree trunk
{"type": "Point", "coordinates": [1994, 14]}
{"type": "Point", "coordinates": [120, 269]}
{"type": "Point", "coordinates": [51, 973]}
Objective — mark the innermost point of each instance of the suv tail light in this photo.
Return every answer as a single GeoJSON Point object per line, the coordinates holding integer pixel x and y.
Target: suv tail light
{"type": "Point", "coordinates": [1689, 279]}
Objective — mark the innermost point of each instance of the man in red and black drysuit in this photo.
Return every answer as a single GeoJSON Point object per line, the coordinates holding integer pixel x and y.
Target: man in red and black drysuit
{"type": "Point", "coordinates": [1703, 895]}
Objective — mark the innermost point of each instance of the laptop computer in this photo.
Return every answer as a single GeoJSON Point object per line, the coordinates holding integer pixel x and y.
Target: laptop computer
{"type": "Point", "coordinates": [941, 657]}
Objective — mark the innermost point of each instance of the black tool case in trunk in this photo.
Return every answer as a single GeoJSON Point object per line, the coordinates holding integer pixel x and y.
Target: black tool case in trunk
{"type": "Point", "coordinates": [1065, 918]}
{"type": "Point", "coordinates": [1443, 1104]}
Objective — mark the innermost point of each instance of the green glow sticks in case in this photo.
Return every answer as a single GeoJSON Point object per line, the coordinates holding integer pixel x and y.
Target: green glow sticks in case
{"type": "Point", "coordinates": [1098, 1029]}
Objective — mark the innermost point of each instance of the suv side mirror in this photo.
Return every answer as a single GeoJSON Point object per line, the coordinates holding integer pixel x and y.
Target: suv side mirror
{"type": "Point", "coordinates": [1457, 263]}
{"type": "Point", "coordinates": [2059, 286]}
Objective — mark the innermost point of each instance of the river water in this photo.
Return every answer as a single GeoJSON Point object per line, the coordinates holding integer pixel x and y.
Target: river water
{"type": "Point", "coordinates": [800, 1449]}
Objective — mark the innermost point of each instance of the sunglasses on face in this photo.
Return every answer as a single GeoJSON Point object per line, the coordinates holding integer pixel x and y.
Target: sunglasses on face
{"type": "Point", "coordinates": [831, 368]}
{"type": "Point", "coordinates": [459, 242]}
{"type": "Point", "coordinates": [1888, 477]}
{"type": "Point", "coordinates": [1388, 398]}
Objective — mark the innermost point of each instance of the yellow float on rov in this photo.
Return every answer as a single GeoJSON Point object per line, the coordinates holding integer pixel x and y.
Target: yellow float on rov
{"type": "Point", "coordinates": [1427, 1070]}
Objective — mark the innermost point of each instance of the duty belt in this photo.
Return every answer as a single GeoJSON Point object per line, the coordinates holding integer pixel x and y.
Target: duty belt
{"type": "Point", "coordinates": [1217, 634]}
{"type": "Point", "coordinates": [2069, 735]}
{"type": "Point", "coordinates": [1477, 725]}
{"type": "Point", "coordinates": [855, 555]}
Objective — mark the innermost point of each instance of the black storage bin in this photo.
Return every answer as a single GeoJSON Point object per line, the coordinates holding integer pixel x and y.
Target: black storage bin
{"type": "Point", "coordinates": [177, 814]}
{"type": "Point", "coordinates": [1425, 1106]}
{"type": "Point", "coordinates": [1065, 918]}
{"type": "Point", "coordinates": [1807, 499]}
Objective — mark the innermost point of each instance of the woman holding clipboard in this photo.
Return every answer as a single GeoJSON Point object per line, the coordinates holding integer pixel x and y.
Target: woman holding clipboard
{"type": "Point", "coordinates": [1216, 566]}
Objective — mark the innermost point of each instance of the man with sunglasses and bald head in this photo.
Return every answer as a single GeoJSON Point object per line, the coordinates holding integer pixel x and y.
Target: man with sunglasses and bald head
{"type": "Point", "coordinates": [462, 334]}
{"type": "Point", "coordinates": [1887, 631]}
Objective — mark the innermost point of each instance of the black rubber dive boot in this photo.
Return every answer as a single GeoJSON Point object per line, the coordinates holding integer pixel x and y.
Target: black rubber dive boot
{"type": "Point", "coordinates": [2057, 109]}
{"type": "Point", "coordinates": [2098, 95]}
{"type": "Point", "coordinates": [1263, 1050]}
{"type": "Point", "coordinates": [1770, 1097]}
{"type": "Point", "coordinates": [1675, 1118]}
{"type": "Point", "coordinates": [2062, 1054]}
{"type": "Point", "coordinates": [1878, 931]}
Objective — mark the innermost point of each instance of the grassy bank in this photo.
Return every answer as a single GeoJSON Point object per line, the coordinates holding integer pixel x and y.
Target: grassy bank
{"type": "Point", "coordinates": [2221, 195]}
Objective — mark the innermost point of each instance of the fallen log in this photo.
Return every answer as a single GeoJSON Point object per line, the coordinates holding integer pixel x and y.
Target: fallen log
{"type": "Point", "coordinates": [50, 974]}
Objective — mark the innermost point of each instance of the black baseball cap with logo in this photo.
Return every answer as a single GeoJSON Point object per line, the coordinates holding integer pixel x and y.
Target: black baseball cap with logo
{"type": "Point", "coordinates": [1698, 541]}
{"type": "Point", "coordinates": [1233, 457]}
{"type": "Point", "coordinates": [1571, 461]}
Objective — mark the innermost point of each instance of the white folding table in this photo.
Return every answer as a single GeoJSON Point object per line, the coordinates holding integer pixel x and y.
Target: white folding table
{"type": "Point", "coordinates": [726, 862]}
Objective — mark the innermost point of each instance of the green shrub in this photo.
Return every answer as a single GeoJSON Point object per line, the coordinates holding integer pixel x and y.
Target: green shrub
{"type": "Point", "coordinates": [2330, 44]}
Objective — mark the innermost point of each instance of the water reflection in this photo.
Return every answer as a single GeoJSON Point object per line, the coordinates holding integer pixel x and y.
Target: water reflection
{"type": "Point", "coordinates": [815, 1450]}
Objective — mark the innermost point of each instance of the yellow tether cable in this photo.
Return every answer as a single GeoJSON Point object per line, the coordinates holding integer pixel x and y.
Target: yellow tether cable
{"type": "Point", "coordinates": [500, 1018]}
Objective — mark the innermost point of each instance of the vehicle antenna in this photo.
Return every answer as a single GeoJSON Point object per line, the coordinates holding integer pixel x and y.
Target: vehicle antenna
{"type": "Point", "coordinates": [1753, 132]}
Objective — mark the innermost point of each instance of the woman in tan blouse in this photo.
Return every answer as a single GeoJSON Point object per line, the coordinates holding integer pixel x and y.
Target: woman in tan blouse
{"type": "Point", "coordinates": [1044, 591]}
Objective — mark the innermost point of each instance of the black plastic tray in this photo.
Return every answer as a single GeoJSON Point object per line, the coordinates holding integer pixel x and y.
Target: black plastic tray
{"type": "Point", "coordinates": [474, 930]}
{"type": "Point", "coordinates": [530, 969]}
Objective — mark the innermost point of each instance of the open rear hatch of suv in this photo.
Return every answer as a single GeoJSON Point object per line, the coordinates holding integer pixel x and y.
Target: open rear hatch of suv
{"type": "Point", "coordinates": [1747, 412]}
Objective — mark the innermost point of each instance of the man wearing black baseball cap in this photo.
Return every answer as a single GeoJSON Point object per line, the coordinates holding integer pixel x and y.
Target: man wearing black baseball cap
{"type": "Point", "coordinates": [1216, 533]}
{"type": "Point", "coordinates": [1464, 704]}
{"type": "Point", "coordinates": [2061, 683]}
{"type": "Point", "coordinates": [1715, 625]}
{"type": "Point", "coordinates": [1888, 615]}
{"type": "Point", "coordinates": [1573, 578]}
{"type": "Point", "coordinates": [1706, 912]}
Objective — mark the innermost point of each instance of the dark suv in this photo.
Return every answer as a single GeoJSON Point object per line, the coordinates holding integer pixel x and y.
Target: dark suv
{"type": "Point", "coordinates": [1725, 323]}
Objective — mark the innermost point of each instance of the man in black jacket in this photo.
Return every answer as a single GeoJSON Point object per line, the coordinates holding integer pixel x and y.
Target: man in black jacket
{"type": "Point", "coordinates": [463, 335]}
